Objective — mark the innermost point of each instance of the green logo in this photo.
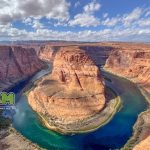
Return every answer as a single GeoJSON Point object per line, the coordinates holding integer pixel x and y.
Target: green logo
{"type": "Point", "coordinates": [7, 98]}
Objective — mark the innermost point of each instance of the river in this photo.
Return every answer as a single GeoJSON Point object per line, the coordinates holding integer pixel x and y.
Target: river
{"type": "Point", "coordinates": [111, 136]}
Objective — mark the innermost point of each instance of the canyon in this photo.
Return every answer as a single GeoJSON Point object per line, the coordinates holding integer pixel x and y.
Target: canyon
{"type": "Point", "coordinates": [66, 97]}
{"type": "Point", "coordinates": [17, 64]}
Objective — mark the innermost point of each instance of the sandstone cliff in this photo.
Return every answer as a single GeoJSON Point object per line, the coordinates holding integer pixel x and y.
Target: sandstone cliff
{"type": "Point", "coordinates": [17, 63]}
{"type": "Point", "coordinates": [74, 91]}
{"type": "Point", "coordinates": [131, 62]}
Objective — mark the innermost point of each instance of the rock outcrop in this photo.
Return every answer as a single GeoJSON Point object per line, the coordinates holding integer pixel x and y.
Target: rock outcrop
{"type": "Point", "coordinates": [74, 91]}
{"type": "Point", "coordinates": [17, 63]}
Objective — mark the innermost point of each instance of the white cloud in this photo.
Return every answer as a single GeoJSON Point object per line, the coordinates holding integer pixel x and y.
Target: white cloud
{"type": "Point", "coordinates": [133, 26]}
{"type": "Point", "coordinates": [92, 7]}
{"type": "Point", "coordinates": [144, 22]}
{"type": "Point", "coordinates": [27, 21]}
{"type": "Point", "coordinates": [116, 34]}
{"type": "Point", "coordinates": [84, 20]}
{"type": "Point", "coordinates": [35, 23]}
{"type": "Point", "coordinates": [111, 22]}
{"type": "Point", "coordinates": [19, 9]}
{"type": "Point", "coordinates": [87, 18]}
{"type": "Point", "coordinates": [105, 15]}
{"type": "Point", "coordinates": [134, 15]}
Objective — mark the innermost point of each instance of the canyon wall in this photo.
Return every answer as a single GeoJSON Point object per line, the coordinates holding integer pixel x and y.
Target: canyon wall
{"type": "Point", "coordinates": [98, 52]}
{"type": "Point", "coordinates": [132, 62]}
{"type": "Point", "coordinates": [17, 63]}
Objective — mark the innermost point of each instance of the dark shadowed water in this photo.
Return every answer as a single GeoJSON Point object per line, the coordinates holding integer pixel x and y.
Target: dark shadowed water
{"type": "Point", "coordinates": [112, 136]}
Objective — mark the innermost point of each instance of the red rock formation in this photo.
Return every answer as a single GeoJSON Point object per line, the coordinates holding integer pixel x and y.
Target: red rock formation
{"type": "Point", "coordinates": [17, 63]}
{"type": "Point", "coordinates": [133, 63]}
{"type": "Point", "coordinates": [74, 91]}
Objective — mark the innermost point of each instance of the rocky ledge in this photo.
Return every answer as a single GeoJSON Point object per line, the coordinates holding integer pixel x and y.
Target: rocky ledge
{"type": "Point", "coordinates": [73, 95]}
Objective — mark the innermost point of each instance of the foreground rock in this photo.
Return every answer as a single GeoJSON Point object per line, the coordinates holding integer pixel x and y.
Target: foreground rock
{"type": "Point", "coordinates": [73, 93]}
{"type": "Point", "coordinates": [16, 64]}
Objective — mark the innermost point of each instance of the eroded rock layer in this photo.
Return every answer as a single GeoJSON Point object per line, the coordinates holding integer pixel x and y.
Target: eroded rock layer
{"type": "Point", "coordinates": [133, 63]}
{"type": "Point", "coordinates": [17, 63]}
{"type": "Point", "coordinates": [74, 91]}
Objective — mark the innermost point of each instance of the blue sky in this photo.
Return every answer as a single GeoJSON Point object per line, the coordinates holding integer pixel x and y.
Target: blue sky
{"type": "Point", "coordinates": [75, 20]}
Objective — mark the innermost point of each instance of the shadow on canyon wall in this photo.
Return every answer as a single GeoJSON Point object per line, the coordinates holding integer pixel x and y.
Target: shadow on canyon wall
{"type": "Point", "coordinates": [98, 54]}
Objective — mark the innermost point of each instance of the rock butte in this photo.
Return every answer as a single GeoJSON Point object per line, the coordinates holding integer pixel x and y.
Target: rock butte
{"type": "Point", "coordinates": [74, 91]}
